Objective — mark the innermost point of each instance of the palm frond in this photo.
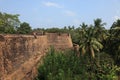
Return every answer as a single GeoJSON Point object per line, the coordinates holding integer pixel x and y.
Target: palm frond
{"type": "Point", "coordinates": [98, 44]}
{"type": "Point", "coordinates": [116, 28]}
{"type": "Point", "coordinates": [95, 48]}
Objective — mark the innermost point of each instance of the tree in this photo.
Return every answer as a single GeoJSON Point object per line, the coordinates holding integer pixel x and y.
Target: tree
{"type": "Point", "coordinates": [100, 31]}
{"type": "Point", "coordinates": [8, 22]}
{"type": "Point", "coordinates": [24, 28]}
{"type": "Point", "coordinates": [83, 29]}
{"type": "Point", "coordinates": [116, 24]}
{"type": "Point", "coordinates": [83, 25]}
{"type": "Point", "coordinates": [115, 28]}
{"type": "Point", "coordinates": [89, 43]}
{"type": "Point", "coordinates": [98, 23]}
{"type": "Point", "coordinates": [112, 43]}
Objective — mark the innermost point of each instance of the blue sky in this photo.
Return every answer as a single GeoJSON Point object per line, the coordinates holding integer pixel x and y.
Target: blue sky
{"type": "Point", "coordinates": [60, 13]}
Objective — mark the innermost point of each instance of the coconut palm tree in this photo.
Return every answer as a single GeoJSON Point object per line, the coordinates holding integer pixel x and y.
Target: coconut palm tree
{"type": "Point", "coordinates": [89, 43]}
{"type": "Point", "coordinates": [98, 23]}
{"type": "Point", "coordinates": [113, 42]}
{"type": "Point", "coordinates": [116, 24]}
{"type": "Point", "coordinates": [100, 31]}
{"type": "Point", "coordinates": [115, 29]}
{"type": "Point", "coordinates": [82, 31]}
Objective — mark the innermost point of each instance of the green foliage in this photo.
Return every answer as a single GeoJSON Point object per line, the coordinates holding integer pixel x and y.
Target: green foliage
{"type": "Point", "coordinates": [112, 42]}
{"type": "Point", "coordinates": [67, 66]}
{"type": "Point", "coordinates": [59, 66]}
{"type": "Point", "coordinates": [111, 46]}
{"type": "Point", "coordinates": [24, 28]}
{"type": "Point", "coordinates": [116, 24]}
{"type": "Point", "coordinates": [8, 23]}
{"type": "Point", "coordinates": [55, 30]}
{"type": "Point", "coordinates": [106, 69]}
{"type": "Point", "coordinates": [100, 31]}
{"type": "Point", "coordinates": [89, 43]}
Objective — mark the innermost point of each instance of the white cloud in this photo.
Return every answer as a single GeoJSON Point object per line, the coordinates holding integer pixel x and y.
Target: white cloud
{"type": "Point", "coordinates": [52, 4]}
{"type": "Point", "coordinates": [116, 17]}
{"type": "Point", "coordinates": [76, 21]}
{"type": "Point", "coordinates": [70, 13]}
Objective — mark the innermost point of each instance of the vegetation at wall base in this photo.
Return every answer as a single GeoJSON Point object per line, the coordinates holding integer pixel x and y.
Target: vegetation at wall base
{"type": "Point", "coordinates": [68, 66]}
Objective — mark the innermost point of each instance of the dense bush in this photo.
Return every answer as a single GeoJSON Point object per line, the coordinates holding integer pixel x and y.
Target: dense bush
{"type": "Point", "coordinates": [68, 66]}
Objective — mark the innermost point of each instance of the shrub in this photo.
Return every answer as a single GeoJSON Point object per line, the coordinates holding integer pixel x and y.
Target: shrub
{"type": "Point", "coordinates": [68, 66]}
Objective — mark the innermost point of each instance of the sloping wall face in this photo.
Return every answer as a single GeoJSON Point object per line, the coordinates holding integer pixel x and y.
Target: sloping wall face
{"type": "Point", "coordinates": [19, 54]}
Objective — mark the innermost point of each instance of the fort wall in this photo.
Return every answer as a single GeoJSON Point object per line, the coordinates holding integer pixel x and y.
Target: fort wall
{"type": "Point", "coordinates": [20, 54]}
